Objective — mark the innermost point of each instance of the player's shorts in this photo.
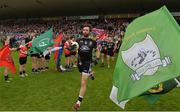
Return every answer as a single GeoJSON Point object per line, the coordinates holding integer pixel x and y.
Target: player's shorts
{"type": "Point", "coordinates": [47, 57]}
{"type": "Point", "coordinates": [67, 55]}
{"type": "Point", "coordinates": [34, 55]}
{"type": "Point", "coordinates": [38, 56]}
{"type": "Point", "coordinates": [73, 53]}
{"type": "Point", "coordinates": [103, 51]}
{"type": "Point", "coordinates": [110, 53]}
{"type": "Point", "coordinates": [23, 60]}
{"type": "Point", "coordinates": [85, 67]}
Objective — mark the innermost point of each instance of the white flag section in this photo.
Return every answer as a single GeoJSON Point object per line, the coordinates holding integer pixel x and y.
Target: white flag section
{"type": "Point", "coordinates": [113, 97]}
{"type": "Point", "coordinates": [47, 51]}
{"type": "Point", "coordinates": [55, 49]}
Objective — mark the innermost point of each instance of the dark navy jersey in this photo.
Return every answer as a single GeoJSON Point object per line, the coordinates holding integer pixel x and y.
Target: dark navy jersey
{"type": "Point", "coordinates": [86, 46]}
{"type": "Point", "coordinates": [103, 44]}
{"type": "Point", "coordinates": [110, 46]}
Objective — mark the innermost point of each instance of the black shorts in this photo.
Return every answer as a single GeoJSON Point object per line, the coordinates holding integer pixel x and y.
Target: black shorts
{"type": "Point", "coordinates": [42, 56]}
{"type": "Point", "coordinates": [84, 67]}
{"type": "Point", "coordinates": [73, 53]}
{"type": "Point", "coordinates": [47, 57]}
{"type": "Point", "coordinates": [103, 51]}
{"type": "Point", "coordinates": [34, 55]}
{"type": "Point", "coordinates": [110, 53]}
{"type": "Point", "coordinates": [67, 55]}
{"type": "Point", "coordinates": [22, 61]}
{"type": "Point", "coordinates": [38, 56]}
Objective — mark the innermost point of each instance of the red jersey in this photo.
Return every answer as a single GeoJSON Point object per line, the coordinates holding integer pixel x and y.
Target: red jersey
{"type": "Point", "coordinates": [30, 44]}
{"type": "Point", "coordinates": [22, 50]}
{"type": "Point", "coordinates": [66, 46]}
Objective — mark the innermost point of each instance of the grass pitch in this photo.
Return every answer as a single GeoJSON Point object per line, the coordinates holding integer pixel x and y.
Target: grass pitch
{"type": "Point", "coordinates": [55, 91]}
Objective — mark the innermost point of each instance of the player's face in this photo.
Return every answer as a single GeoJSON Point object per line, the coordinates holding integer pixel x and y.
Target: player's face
{"type": "Point", "coordinates": [69, 40]}
{"type": "Point", "coordinates": [86, 31]}
{"type": "Point", "coordinates": [110, 40]}
{"type": "Point", "coordinates": [6, 42]}
{"type": "Point", "coordinates": [73, 39]}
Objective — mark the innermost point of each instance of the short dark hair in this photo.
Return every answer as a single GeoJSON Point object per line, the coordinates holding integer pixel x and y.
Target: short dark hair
{"type": "Point", "coordinates": [72, 37]}
{"type": "Point", "coordinates": [67, 38]}
{"type": "Point", "coordinates": [87, 25]}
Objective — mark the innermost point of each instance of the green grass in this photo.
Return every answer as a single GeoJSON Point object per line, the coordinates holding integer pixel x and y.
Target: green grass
{"type": "Point", "coordinates": [56, 91]}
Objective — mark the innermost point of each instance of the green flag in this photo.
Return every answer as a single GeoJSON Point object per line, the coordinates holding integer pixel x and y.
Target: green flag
{"type": "Point", "coordinates": [148, 55]}
{"type": "Point", "coordinates": [40, 43]}
{"type": "Point", "coordinates": [33, 50]}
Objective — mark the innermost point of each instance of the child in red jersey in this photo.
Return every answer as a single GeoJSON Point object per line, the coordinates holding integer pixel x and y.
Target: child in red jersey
{"type": "Point", "coordinates": [22, 60]}
{"type": "Point", "coordinates": [67, 52]}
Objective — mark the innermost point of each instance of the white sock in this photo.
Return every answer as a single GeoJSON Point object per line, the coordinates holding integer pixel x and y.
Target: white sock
{"type": "Point", "coordinates": [78, 102]}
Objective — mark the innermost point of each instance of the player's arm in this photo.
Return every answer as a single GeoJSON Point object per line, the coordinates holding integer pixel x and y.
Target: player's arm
{"type": "Point", "coordinates": [65, 46]}
{"type": "Point", "coordinates": [159, 89]}
{"type": "Point", "coordinates": [116, 45]}
{"type": "Point", "coordinates": [96, 47]}
{"type": "Point", "coordinates": [114, 48]}
{"type": "Point", "coordinates": [23, 52]}
{"type": "Point", "coordinates": [77, 43]}
{"type": "Point", "coordinates": [13, 49]}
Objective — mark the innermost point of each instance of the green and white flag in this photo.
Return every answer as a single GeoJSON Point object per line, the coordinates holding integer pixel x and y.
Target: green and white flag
{"type": "Point", "coordinates": [40, 43]}
{"type": "Point", "coordinates": [148, 55]}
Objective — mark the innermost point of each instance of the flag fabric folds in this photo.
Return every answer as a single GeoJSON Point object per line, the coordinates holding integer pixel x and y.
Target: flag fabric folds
{"type": "Point", "coordinates": [57, 41]}
{"type": "Point", "coordinates": [148, 55]}
{"type": "Point", "coordinates": [40, 43]}
{"type": "Point", "coordinates": [6, 59]}
{"type": "Point", "coordinates": [98, 31]}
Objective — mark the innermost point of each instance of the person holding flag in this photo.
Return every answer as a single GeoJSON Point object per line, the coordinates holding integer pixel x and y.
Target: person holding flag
{"type": "Point", "coordinates": [59, 45]}
{"type": "Point", "coordinates": [47, 59]}
{"type": "Point", "coordinates": [6, 76]}
{"type": "Point", "coordinates": [42, 62]}
{"type": "Point", "coordinates": [6, 60]}
{"type": "Point", "coordinates": [58, 55]}
{"type": "Point", "coordinates": [67, 52]}
{"type": "Point", "coordinates": [33, 56]}
{"type": "Point", "coordinates": [22, 60]}
{"type": "Point", "coordinates": [39, 45]}
{"type": "Point", "coordinates": [74, 46]}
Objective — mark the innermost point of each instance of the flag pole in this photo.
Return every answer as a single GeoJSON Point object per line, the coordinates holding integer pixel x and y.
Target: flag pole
{"type": "Point", "coordinates": [177, 82]}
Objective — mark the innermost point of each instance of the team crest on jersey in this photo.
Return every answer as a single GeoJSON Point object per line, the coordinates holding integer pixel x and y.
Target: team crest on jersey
{"type": "Point", "coordinates": [144, 58]}
{"type": "Point", "coordinates": [84, 48]}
